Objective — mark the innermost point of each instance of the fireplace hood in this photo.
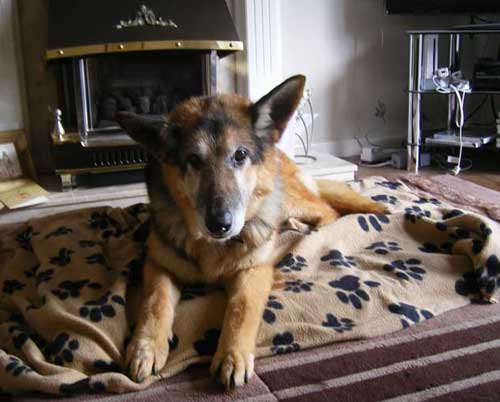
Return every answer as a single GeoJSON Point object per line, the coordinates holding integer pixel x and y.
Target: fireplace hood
{"type": "Point", "coordinates": [91, 27]}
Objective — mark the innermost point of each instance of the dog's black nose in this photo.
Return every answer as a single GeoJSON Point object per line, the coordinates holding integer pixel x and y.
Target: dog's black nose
{"type": "Point", "coordinates": [219, 223]}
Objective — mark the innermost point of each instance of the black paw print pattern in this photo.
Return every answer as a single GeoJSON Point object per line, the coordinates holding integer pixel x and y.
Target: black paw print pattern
{"type": "Point", "coordinates": [484, 230]}
{"type": "Point", "coordinates": [441, 226]}
{"type": "Point", "coordinates": [383, 248]}
{"type": "Point", "coordinates": [61, 349]}
{"type": "Point", "coordinates": [468, 286]}
{"type": "Point", "coordinates": [98, 259]}
{"type": "Point", "coordinates": [105, 366]}
{"type": "Point", "coordinates": [413, 214]}
{"type": "Point", "coordinates": [460, 234]}
{"type": "Point", "coordinates": [456, 234]}
{"type": "Point", "coordinates": [107, 225]}
{"type": "Point", "coordinates": [12, 285]}
{"type": "Point", "coordinates": [42, 276]}
{"type": "Point", "coordinates": [476, 246]}
{"type": "Point", "coordinates": [410, 314]}
{"type": "Point", "coordinates": [63, 258]}
{"type": "Point", "coordinates": [373, 221]}
{"type": "Point", "coordinates": [20, 335]}
{"type": "Point", "coordinates": [24, 238]}
{"type": "Point", "coordinates": [36, 304]}
{"type": "Point", "coordinates": [337, 259]}
{"type": "Point", "coordinates": [73, 288]}
{"type": "Point", "coordinates": [60, 231]}
{"type": "Point", "coordinates": [338, 325]}
{"type": "Point", "coordinates": [208, 345]}
{"type": "Point", "coordinates": [82, 387]}
{"type": "Point", "coordinates": [21, 332]}
{"type": "Point", "coordinates": [291, 263]}
{"type": "Point", "coordinates": [406, 269]}
{"type": "Point", "coordinates": [351, 291]}
{"type": "Point", "coordinates": [137, 209]}
{"type": "Point", "coordinates": [17, 367]}
{"type": "Point", "coordinates": [95, 310]}
{"type": "Point", "coordinates": [298, 286]}
{"type": "Point", "coordinates": [489, 275]}
{"type": "Point", "coordinates": [424, 200]}
{"type": "Point", "coordinates": [452, 214]}
{"type": "Point", "coordinates": [284, 343]}
{"type": "Point", "coordinates": [386, 199]}
{"type": "Point", "coordinates": [392, 185]}
{"type": "Point", "coordinates": [272, 304]}
{"type": "Point", "coordinates": [89, 243]}
{"type": "Point", "coordinates": [443, 248]}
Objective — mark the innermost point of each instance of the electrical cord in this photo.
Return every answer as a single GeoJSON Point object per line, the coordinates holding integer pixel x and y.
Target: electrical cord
{"type": "Point", "coordinates": [459, 121]}
{"type": "Point", "coordinates": [446, 85]}
{"type": "Point", "coordinates": [376, 165]}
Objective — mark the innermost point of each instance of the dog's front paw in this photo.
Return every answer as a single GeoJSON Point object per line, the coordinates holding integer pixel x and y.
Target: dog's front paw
{"type": "Point", "coordinates": [145, 356]}
{"type": "Point", "coordinates": [233, 368]}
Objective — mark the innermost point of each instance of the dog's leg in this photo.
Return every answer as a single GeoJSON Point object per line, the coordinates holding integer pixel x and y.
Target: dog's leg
{"type": "Point", "coordinates": [345, 200]}
{"type": "Point", "coordinates": [247, 295]}
{"type": "Point", "coordinates": [148, 350]}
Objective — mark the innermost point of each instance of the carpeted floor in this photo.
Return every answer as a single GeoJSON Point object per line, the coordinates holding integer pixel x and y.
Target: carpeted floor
{"type": "Point", "coordinates": [460, 192]}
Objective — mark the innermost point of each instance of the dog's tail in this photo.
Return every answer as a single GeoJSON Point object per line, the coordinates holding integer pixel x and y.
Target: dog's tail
{"type": "Point", "coordinates": [345, 200]}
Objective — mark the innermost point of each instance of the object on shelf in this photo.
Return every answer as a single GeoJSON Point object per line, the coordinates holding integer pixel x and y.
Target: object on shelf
{"type": "Point", "coordinates": [467, 136]}
{"type": "Point", "coordinates": [454, 140]}
{"type": "Point", "coordinates": [487, 74]}
{"type": "Point", "coordinates": [21, 193]}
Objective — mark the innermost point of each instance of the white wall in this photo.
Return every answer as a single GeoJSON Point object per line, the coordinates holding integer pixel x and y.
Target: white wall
{"type": "Point", "coordinates": [353, 54]}
{"type": "Point", "coordinates": [11, 112]}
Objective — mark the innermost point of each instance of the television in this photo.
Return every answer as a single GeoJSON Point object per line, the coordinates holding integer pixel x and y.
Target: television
{"type": "Point", "coordinates": [442, 6]}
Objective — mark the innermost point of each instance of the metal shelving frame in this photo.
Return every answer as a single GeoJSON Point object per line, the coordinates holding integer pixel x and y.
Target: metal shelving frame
{"type": "Point", "coordinates": [415, 91]}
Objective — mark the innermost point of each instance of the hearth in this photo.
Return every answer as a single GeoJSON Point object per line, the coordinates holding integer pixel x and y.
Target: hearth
{"type": "Point", "coordinates": [116, 55]}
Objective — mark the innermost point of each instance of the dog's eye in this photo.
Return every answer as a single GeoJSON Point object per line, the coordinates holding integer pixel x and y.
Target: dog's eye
{"type": "Point", "coordinates": [240, 155]}
{"type": "Point", "coordinates": [195, 161]}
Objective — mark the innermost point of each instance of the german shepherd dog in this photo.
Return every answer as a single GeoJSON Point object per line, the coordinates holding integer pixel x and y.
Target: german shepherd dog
{"type": "Point", "coordinates": [219, 191]}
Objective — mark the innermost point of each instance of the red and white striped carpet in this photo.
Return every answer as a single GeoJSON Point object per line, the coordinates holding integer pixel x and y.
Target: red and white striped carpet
{"type": "Point", "coordinates": [454, 357]}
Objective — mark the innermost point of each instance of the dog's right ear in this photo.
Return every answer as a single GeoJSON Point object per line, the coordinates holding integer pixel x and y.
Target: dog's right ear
{"type": "Point", "coordinates": [272, 112]}
{"type": "Point", "coordinates": [150, 133]}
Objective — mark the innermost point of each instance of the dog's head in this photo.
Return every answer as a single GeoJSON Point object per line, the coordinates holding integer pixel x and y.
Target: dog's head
{"type": "Point", "coordinates": [210, 150]}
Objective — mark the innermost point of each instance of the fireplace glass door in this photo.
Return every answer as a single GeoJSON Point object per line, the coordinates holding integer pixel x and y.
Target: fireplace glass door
{"type": "Point", "coordinates": [150, 84]}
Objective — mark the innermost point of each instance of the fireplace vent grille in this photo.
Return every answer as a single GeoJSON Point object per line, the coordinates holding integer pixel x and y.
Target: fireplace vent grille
{"type": "Point", "coordinates": [119, 157]}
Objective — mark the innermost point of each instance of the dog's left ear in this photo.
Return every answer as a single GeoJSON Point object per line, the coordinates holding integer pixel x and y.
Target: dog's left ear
{"type": "Point", "coordinates": [150, 133]}
{"type": "Point", "coordinates": [272, 112]}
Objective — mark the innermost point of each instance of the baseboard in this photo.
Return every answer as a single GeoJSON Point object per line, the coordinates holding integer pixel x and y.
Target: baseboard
{"type": "Point", "coordinates": [348, 147]}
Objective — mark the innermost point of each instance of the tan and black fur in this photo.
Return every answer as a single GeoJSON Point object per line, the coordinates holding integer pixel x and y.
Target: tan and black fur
{"type": "Point", "coordinates": [219, 192]}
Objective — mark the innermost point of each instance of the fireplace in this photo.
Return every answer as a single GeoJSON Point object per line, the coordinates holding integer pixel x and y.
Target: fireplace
{"type": "Point", "coordinates": [118, 55]}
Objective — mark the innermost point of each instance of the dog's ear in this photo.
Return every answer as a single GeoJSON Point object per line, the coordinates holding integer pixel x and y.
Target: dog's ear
{"type": "Point", "coordinates": [150, 133]}
{"type": "Point", "coordinates": [272, 112]}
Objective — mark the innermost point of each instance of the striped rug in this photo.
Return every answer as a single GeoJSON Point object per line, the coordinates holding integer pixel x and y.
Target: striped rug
{"type": "Point", "coordinates": [451, 358]}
